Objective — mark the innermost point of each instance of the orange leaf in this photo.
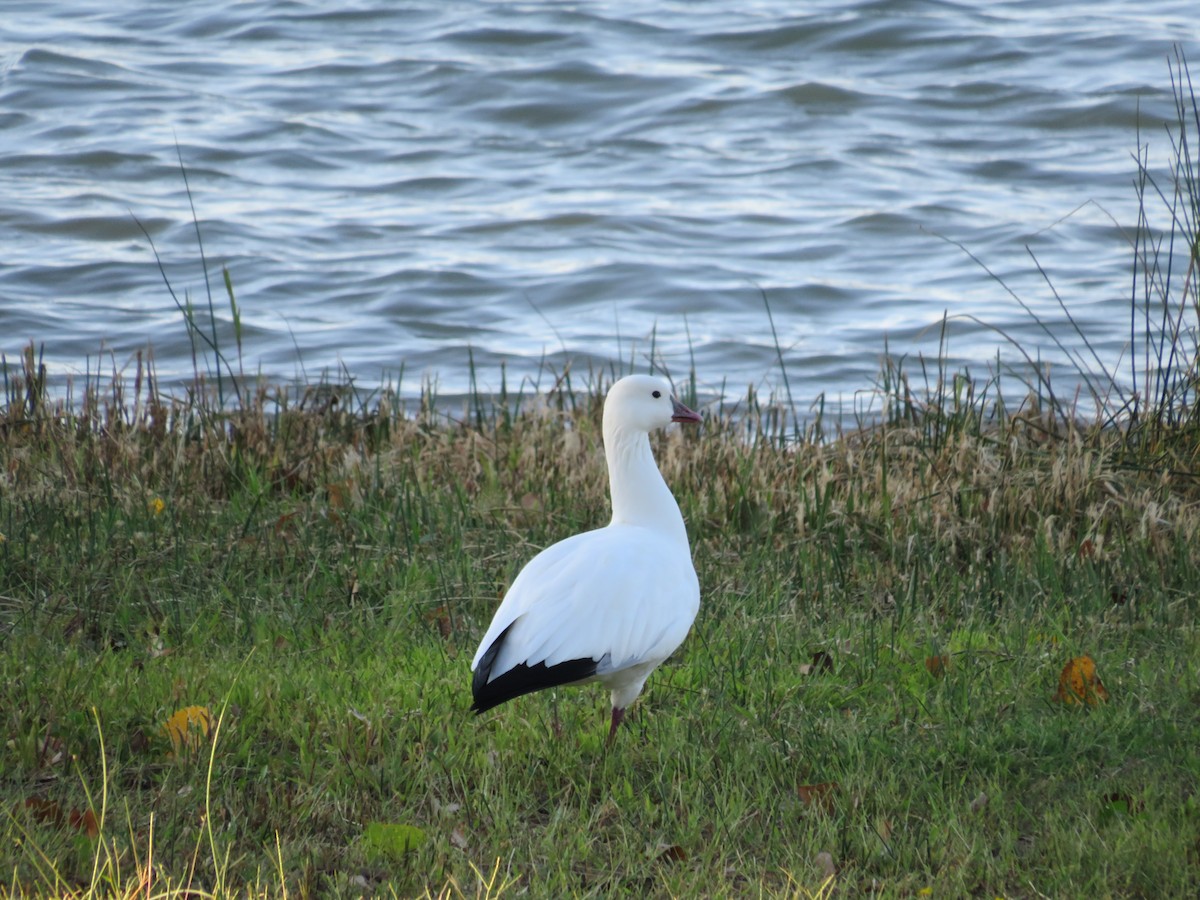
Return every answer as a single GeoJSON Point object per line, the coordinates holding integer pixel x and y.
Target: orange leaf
{"type": "Point", "coordinates": [50, 813]}
{"type": "Point", "coordinates": [818, 796]}
{"type": "Point", "coordinates": [440, 617]}
{"type": "Point", "coordinates": [46, 811]}
{"type": "Point", "coordinates": [85, 821]}
{"type": "Point", "coordinates": [340, 493]}
{"type": "Point", "coordinates": [673, 853]}
{"type": "Point", "coordinates": [284, 525]}
{"type": "Point", "coordinates": [1079, 683]}
{"type": "Point", "coordinates": [937, 665]}
{"type": "Point", "coordinates": [188, 728]}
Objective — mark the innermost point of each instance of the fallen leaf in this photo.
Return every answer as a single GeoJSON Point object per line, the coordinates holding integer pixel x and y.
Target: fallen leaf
{"type": "Point", "coordinates": [1079, 683]}
{"type": "Point", "coordinates": [821, 662]}
{"type": "Point", "coordinates": [818, 796]}
{"type": "Point", "coordinates": [84, 821]}
{"type": "Point", "coordinates": [45, 811]}
{"type": "Point", "coordinates": [458, 839]}
{"type": "Point", "coordinates": [979, 802]}
{"type": "Point", "coordinates": [937, 665]}
{"type": "Point", "coordinates": [50, 813]}
{"type": "Point", "coordinates": [340, 493]}
{"type": "Point", "coordinates": [284, 525]}
{"type": "Point", "coordinates": [138, 742]}
{"type": "Point", "coordinates": [440, 617]}
{"type": "Point", "coordinates": [671, 854]}
{"type": "Point", "coordinates": [188, 728]}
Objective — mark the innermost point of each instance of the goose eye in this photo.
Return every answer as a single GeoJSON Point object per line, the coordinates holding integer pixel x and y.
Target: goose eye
{"type": "Point", "coordinates": [656, 394]}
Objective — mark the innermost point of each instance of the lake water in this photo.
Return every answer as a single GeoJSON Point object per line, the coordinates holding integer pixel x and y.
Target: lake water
{"type": "Point", "coordinates": [390, 184]}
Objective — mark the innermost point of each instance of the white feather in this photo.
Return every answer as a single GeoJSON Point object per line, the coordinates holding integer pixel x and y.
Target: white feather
{"type": "Point", "coordinates": [621, 594]}
{"type": "Point", "coordinates": [624, 595]}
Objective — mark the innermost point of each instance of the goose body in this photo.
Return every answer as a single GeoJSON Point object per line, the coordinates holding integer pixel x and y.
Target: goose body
{"type": "Point", "coordinates": [607, 605]}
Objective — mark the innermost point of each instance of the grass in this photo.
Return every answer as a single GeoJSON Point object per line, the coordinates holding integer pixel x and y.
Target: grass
{"type": "Point", "coordinates": [318, 580]}
{"type": "Point", "coordinates": [867, 704]}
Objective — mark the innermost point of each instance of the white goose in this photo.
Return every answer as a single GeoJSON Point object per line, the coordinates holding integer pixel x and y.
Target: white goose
{"type": "Point", "coordinates": [607, 605]}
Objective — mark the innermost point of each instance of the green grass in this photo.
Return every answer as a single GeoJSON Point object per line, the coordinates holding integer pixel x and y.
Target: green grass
{"type": "Point", "coordinates": [316, 571]}
{"type": "Point", "coordinates": [319, 580]}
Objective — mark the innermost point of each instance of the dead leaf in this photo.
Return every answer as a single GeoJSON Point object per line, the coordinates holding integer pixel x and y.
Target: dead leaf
{"type": "Point", "coordinates": [979, 802]}
{"type": "Point", "coordinates": [188, 729]}
{"type": "Point", "coordinates": [284, 525]}
{"type": "Point", "coordinates": [671, 854]}
{"type": "Point", "coordinates": [138, 742]}
{"type": "Point", "coordinates": [818, 796]}
{"type": "Point", "coordinates": [937, 666]}
{"type": "Point", "coordinates": [1079, 683]}
{"type": "Point", "coordinates": [458, 839]}
{"type": "Point", "coordinates": [340, 493]}
{"type": "Point", "coordinates": [441, 618]}
{"type": "Point", "coordinates": [45, 811]}
{"type": "Point", "coordinates": [50, 813]}
{"type": "Point", "coordinates": [821, 662]}
{"type": "Point", "coordinates": [84, 821]}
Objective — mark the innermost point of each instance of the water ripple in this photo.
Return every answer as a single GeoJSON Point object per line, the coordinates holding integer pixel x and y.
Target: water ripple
{"type": "Point", "coordinates": [389, 186]}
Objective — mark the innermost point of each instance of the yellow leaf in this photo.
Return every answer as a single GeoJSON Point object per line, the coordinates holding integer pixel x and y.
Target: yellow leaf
{"type": "Point", "coordinates": [1079, 683]}
{"type": "Point", "coordinates": [157, 506]}
{"type": "Point", "coordinates": [188, 728]}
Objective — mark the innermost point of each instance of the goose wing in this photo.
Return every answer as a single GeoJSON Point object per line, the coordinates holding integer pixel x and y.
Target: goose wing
{"type": "Point", "coordinates": [592, 604]}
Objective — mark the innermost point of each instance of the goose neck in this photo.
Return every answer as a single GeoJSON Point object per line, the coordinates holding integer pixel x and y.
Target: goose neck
{"type": "Point", "coordinates": [639, 494]}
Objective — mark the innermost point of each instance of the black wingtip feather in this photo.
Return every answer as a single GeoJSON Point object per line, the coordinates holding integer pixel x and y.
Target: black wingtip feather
{"type": "Point", "coordinates": [521, 678]}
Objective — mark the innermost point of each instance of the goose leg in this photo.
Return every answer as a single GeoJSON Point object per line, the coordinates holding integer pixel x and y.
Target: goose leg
{"type": "Point", "coordinates": [618, 716]}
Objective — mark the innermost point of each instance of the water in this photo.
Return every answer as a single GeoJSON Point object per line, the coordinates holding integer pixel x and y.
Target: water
{"type": "Point", "coordinates": [543, 183]}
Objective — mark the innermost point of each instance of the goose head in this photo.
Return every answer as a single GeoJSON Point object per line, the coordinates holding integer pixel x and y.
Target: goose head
{"type": "Point", "coordinates": [643, 403]}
